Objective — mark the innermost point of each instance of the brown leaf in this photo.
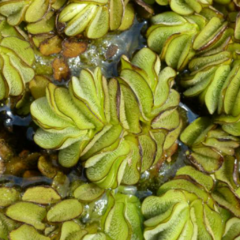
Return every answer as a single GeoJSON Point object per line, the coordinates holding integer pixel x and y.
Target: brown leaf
{"type": "Point", "coordinates": [51, 46]}
{"type": "Point", "coordinates": [60, 69]}
{"type": "Point", "coordinates": [73, 48]}
{"type": "Point", "coordinates": [112, 50]}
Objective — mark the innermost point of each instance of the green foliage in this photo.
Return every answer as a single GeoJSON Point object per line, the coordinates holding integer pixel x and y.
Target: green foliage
{"type": "Point", "coordinates": [209, 144]}
{"type": "Point", "coordinates": [96, 18]}
{"type": "Point", "coordinates": [120, 128]}
{"type": "Point", "coordinates": [16, 61]}
{"type": "Point", "coordinates": [29, 11]}
{"type": "Point", "coordinates": [190, 206]}
{"type": "Point", "coordinates": [49, 216]}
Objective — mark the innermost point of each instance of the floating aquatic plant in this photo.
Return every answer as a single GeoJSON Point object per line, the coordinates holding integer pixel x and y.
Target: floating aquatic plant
{"type": "Point", "coordinates": [41, 213]}
{"type": "Point", "coordinates": [185, 7]}
{"type": "Point", "coordinates": [28, 11]}
{"type": "Point", "coordinates": [120, 128]}
{"type": "Point", "coordinates": [178, 38]}
{"type": "Point", "coordinates": [16, 61]}
{"type": "Point", "coordinates": [123, 219]}
{"type": "Point", "coordinates": [190, 206]}
{"type": "Point", "coordinates": [96, 18]}
{"type": "Point", "coordinates": [124, 128]}
{"type": "Point", "coordinates": [209, 144]}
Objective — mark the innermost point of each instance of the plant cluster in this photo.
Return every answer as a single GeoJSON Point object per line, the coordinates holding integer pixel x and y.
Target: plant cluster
{"type": "Point", "coordinates": [99, 137]}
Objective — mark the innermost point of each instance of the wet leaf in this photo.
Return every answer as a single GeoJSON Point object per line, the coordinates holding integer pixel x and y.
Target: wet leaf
{"type": "Point", "coordinates": [41, 195]}
{"type": "Point", "coordinates": [26, 232]}
{"type": "Point", "coordinates": [38, 86]}
{"type": "Point", "coordinates": [6, 226]}
{"type": "Point", "coordinates": [61, 69]}
{"type": "Point", "coordinates": [65, 210]}
{"type": "Point", "coordinates": [88, 192]}
{"type": "Point", "coordinates": [29, 213]}
{"type": "Point", "coordinates": [8, 196]}
{"type": "Point", "coordinates": [51, 46]}
{"type": "Point", "coordinates": [72, 231]}
{"type": "Point", "coordinates": [73, 48]}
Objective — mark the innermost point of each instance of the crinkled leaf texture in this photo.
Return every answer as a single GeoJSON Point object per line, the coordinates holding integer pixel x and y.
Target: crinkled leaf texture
{"type": "Point", "coordinates": [96, 18]}
{"type": "Point", "coordinates": [120, 128]}
{"type": "Point", "coordinates": [17, 58]}
{"type": "Point", "coordinates": [187, 208]}
{"type": "Point", "coordinates": [210, 146]}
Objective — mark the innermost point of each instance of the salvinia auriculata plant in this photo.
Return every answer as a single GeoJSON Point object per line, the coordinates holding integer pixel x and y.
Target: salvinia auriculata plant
{"type": "Point", "coordinates": [209, 144]}
{"type": "Point", "coordinates": [193, 206]}
{"type": "Point", "coordinates": [16, 61]}
{"type": "Point", "coordinates": [185, 7]}
{"type": "Point", "coordinates": [93, 18]}
{"type": "Point", "coordinates": [96, 18]}
{"type": "Point", "coordinates": [120, 128]}
{"type": "Point", "coordinates": [210, 53]}
{"type": "Point", "coordinates": [41, 213]}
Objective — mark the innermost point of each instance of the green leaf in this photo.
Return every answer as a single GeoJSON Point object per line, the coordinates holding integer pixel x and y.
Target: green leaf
{"type": "Point", "coordinates": [79, 22]}
{"type": "Point", "coordinates": [65, 210]}
{"type": "Point", "coordinates": [168, 120]}
{"type": "Point", "coordinates": [185, 7]}
{"type": "Point", "coordinates": [105, 138]}
{"type": "Point", "coordinates": [206, 158]}
{"type": "Point", "coordinates": [29, 213]}
{"type": "Point", "coordinates": [128, 17]}
{"type": "Point", "coordinates": [8, 196]}
{"type": "Point", "coordinates": [68, 157]}
{"type": "Point", "coordinates": [227, 172]}
{"type": "Point", "coordinates": [196, 131]}
{"type": "Point", "coordinates": [45, 25]}
{"type": "Point", "coordinates": [182, 184]}
{"type": "Point", "coordinates": [148, 61]}
{"type": "Point", "coordinates": [116, 9]}
{"type": "Point", "coordinates": [165, 79]}
{"type": "Point", "coordinates": [60, 139]}
{"type": "Point", "coordinates": [71, 231]}
{"type": "Point", "coordinates": [36, 10]}
{"type": "Point", "coordinates": [173, 227]}
{"type": "Point", "coordinates": [99, 25]}
{"type": "Point", "coordinates": [129, 112]}
{"type": "Point", "coordinates": [41, 195]}
{"type": "Point", "coordinates": [21, 48]}
{"type": "Point", "coordinates": [6, 226]}
{"type": "Point", "coordinates": [99, 165]}
{"type": "Point", "coordinates": [209, 33]}
{"type": "Point", "coordinates": [141, 89]}
{"type": "Point", "coordinates": [227, 199]}
{"type": "Point", "coordinates": [213, 93]}
{"type": "Point", "coordinates": [201, 178]}
{"type": "Point", "coordinates": [27, 233]}
{"type": "Point", "coordinates": [88, 192]}
{"type": "Point", "coordinates": [232, 229]}
{"type": "Point", "coordinates": [148, 149]}
{"type": "Point", "coordinates": [158, 34]}
{"type": "Point", "coordinates": [197, 217]}
{"type": "Point", "coordinates": [14, 11]}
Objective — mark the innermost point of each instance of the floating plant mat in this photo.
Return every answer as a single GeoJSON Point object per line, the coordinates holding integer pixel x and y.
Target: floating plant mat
{"type": "Point", "coordinates": [119, 120]}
